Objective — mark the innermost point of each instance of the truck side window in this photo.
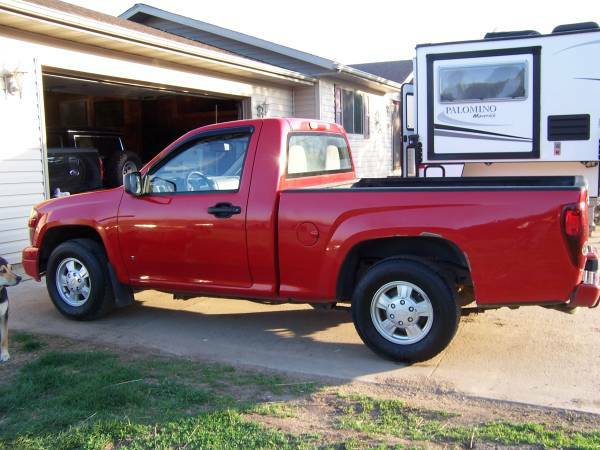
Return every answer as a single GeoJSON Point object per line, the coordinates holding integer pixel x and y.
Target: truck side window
{"type": "Point", "coordinates": [311, 154]}
{"type": "Point", "coordinates": [206, 164]}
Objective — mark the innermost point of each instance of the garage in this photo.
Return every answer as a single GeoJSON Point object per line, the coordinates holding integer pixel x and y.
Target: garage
{"type": "Point", "coordinates": [81, 91]}
{"type": "Point", "coordinates": [97, 130]}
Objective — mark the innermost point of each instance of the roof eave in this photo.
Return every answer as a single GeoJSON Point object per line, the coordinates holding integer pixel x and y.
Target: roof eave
{"type": "Point", "coordinates": [41, 15]}
{"type": "Point", "coordinates": [140, 8]}
{"type": "Point", "coordinates": [331, 68]}
{"type": "Point", "coordinates": [364, 79]}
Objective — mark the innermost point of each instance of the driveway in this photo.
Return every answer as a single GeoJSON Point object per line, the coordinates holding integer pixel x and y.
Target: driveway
{"type": "Point", "coordinates": [530, 355]}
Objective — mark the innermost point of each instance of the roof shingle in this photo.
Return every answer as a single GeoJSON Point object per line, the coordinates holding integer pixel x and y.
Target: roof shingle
{"type": "Point", "coordinates": [396, 71]}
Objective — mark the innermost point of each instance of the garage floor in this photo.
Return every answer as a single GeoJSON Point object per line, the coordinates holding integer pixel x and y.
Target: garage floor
{"type": "Point", "coordinates": [531, 355]}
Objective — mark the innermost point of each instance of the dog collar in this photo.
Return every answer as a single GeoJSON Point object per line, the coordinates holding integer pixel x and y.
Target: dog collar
{"type": "Point", "coordinates": [3, 294]}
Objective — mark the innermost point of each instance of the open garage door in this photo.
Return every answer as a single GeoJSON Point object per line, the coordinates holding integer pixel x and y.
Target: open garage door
{"type": "Point", "coordinates": [96, 130]}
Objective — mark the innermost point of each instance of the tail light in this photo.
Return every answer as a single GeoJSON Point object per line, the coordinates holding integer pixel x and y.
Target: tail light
{"type": "Point", "coordinates": [573, 223]}
{"type": "Point", "coordinates": [575, 229]}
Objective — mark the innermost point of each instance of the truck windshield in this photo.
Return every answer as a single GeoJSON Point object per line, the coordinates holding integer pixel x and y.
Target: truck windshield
{"type": "Point", "coordinates": [312, 154]}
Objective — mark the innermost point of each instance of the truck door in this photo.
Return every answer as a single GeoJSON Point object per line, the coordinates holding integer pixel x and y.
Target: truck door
{"type": "Point", "coordinates": [188, 230]}
{"type": "Point", "coordinates": [409, 136]}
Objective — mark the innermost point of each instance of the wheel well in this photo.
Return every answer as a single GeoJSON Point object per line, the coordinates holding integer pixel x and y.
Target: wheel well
{"type": "Point", "coordinates": [56, 236]}
{"type": "Point", "coordinates": [444, 255]}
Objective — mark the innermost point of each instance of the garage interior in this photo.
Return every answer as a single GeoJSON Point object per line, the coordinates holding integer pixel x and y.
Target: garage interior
{"type": "Point", "coordinates": [146, 118]}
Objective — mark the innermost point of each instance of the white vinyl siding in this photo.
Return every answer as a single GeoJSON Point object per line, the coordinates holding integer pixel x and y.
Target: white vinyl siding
{"type": "Point", "coordinates": [372, 155]}
{"type": "Point", "coordinates": [327, 100]}
{"type": "Point", "coordinates": [21, 162]}
{"type": "Point", "coordinates": [279, 101]}
{"type": "Point", "coordinates": [305, 102]}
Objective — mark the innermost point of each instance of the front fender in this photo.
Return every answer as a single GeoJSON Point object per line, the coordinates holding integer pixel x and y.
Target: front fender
{"type": "Point", "coordinates": [96, 211]}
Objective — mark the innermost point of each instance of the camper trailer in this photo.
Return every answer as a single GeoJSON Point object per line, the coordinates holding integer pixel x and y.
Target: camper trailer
{"type": "Point", "coordinates": [514, 103]}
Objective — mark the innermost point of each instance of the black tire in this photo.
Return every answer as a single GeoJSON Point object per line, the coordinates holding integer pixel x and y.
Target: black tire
{"type": "Point", "coordinates": [446, 312]}
{"type": "Point", "coordinates": [114, 169]}
{"type": "Point", "coordinates": [91, 255]}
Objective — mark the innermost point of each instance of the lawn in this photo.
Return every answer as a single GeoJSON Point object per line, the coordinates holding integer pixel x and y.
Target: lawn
{"type": "Point", "coordinates": [65, 395]}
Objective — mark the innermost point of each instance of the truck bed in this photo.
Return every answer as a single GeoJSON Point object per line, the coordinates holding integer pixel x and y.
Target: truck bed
{"type": "Point", "coordinates": [505, 227]}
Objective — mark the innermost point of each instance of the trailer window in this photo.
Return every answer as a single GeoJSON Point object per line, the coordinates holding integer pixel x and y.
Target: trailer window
{"type": "Point", "coordinates": [479, 83]}
{"type": "Point", "coordinates": [317, 154]}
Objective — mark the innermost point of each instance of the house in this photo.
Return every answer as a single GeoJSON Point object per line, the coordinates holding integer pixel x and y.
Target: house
{"type": "Point", "coordinates": [365, 103]}
{"type": "Point", "coordinates": [67, 67]}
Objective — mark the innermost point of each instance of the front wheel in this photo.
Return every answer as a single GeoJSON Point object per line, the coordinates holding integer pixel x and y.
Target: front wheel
{"type": "Point", "coordinates": [404, 310]}
{"type": "Point", "coordinates": [77, 280]}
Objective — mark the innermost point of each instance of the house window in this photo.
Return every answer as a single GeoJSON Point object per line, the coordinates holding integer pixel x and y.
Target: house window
{"type": "Point", "coordinates": [352, 111]}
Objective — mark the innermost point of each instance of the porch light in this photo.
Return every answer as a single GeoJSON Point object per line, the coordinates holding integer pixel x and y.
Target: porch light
{"type": "Point", "coordinates": [12, 82]}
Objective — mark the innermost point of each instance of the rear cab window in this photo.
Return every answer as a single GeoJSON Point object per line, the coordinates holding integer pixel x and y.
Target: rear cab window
{"type": "Point", "coordinates": [317, 158]}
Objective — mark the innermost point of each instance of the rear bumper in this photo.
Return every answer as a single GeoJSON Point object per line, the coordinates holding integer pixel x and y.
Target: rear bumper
{"type": "Point", "coordinates": [587, 293]}
{"type": "Point", "coordinates": [31, 262]}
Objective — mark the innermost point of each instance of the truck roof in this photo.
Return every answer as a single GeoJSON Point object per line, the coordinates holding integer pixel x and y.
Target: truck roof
{"type": "Point", "coordinates": [295, 123]}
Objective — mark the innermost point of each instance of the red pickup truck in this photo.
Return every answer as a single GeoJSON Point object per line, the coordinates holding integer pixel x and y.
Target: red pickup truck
{"type": "Point", "coordinates": [270, 210]}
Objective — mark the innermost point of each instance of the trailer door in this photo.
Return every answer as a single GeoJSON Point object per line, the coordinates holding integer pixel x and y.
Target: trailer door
{"type": "Point", "coordinates": [409, 137]}
{"type": "Point", "coordinates": [483, 105]}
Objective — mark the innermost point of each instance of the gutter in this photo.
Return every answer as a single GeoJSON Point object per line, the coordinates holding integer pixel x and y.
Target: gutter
{"type": "Point", "coordinates": [64, 19]}
{"type": "Point", "coordinates": [341, 68]}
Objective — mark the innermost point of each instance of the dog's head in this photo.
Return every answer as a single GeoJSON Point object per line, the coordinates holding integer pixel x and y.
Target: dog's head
{"type": "Point", "coordinates": [7, 276]}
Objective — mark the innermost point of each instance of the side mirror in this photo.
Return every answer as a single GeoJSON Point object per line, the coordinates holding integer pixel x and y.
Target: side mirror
{"type": "Point", "coordinates": [132, 183]}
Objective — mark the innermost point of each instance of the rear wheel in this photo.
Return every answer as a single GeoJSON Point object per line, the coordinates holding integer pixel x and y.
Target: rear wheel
{"type": "Point", "coordinates": [77, 280]}
{"type": "Point", "coordinates": [404, 310]}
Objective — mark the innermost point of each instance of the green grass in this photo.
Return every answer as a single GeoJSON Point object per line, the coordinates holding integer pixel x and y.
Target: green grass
{"type": "Point", "coordinates": [274, 409]}
{"type": "Point", "coordinates": [66, 400]}
{"type": "Point", "coordinates": [395, 418]}
{"type": "Point", "coordinates": [28, 342]}
{"type": "Point", "coordinates": [99, 400]}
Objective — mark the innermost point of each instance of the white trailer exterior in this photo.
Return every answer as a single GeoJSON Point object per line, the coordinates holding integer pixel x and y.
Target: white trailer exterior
{"type": "Point", "coordinates": [513, 104]}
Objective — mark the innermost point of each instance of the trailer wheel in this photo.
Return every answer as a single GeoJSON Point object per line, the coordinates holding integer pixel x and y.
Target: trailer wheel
{"type": "Point", "coordinates": [404, 310]}
{"type": "Point", "coordinates": [77, 280]}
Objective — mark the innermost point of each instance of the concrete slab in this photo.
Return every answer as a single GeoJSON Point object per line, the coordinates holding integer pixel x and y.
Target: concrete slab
{"type": "Point", "coordinates": [530, 355]}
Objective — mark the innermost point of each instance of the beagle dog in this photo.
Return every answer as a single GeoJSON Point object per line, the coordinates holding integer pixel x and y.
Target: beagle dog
{"type": "Point", "coordinates": [7, 278]}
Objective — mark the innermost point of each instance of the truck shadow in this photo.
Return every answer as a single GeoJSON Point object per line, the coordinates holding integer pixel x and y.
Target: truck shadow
{"type": "Point", "coordinates": [295, 338]}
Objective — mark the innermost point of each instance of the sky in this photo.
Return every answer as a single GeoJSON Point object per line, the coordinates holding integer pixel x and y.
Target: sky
{"type": "Point", "coordinates": [375, 30]}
